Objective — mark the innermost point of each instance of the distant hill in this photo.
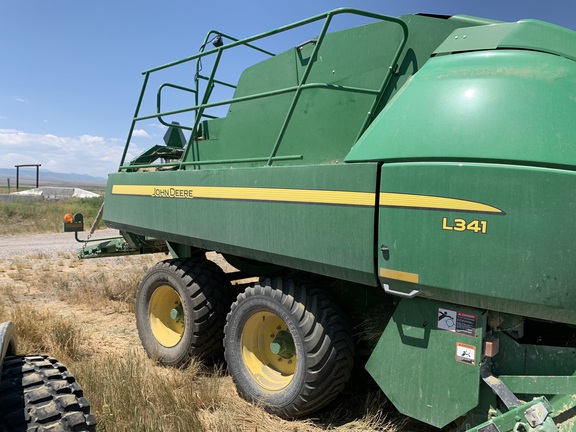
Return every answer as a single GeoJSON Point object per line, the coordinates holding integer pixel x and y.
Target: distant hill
{"type": "Point", "coordinates": [49, 178]}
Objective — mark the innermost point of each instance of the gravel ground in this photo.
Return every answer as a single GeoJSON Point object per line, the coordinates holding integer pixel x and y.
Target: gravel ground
{"type": "Point", "coordinates": [21, 245]}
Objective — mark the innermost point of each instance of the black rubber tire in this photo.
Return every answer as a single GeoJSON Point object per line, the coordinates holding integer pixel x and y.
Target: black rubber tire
{"type": "Point", "coordinates": [37, 393]}
{"type": "Point", "coordinates": [322, 340]}
{"type": "Point", "coordinates": [206, 296]}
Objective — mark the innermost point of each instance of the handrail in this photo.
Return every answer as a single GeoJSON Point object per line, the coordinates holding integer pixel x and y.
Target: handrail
{"type": "Point", "coordinates": [269, 33]}
{"type": "Point", "coordinates": [218, 82]}
{"type": "Point", "coordinates": [207, 40]}
{"type": "Point", "coordinates": [159, 101]}
{"type": "Point", "coordinates": [138, 105]}
{"type": "Point", "coordinates": [200, 107]}
{"type": "Point", "coordinates": [296, 97]}
{"type": "Point", "coordinates": [211, 162]}
{"type": "Point", "coordinates": [260, 96]}
{"type": "Point", "coordinates": [207, 93]}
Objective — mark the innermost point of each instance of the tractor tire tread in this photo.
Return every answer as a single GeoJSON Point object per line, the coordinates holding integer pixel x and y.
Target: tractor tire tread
{"type": "Point", "coordinates": [39, 394]}
{"type": "Point", "coordinates": [210, 294]}
{"type": "Point", "coordinates": [325, 334]}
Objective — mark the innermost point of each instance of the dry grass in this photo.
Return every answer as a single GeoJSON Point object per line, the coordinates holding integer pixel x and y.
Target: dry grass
{"type": "Point", "coordinates": [133, 394]}
{"type": "Point", "coordinates": [45, 216]}
{"type": "Point", "coordinates": [82, 313]}
{"type": "Point", "coordinates": [45, 332]}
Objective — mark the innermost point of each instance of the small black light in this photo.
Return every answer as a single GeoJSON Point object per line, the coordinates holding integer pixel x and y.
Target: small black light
{"type": "Point", "coordinates": [217, 41]}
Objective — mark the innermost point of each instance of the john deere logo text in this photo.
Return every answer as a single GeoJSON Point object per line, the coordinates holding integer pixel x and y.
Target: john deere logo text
{"type": "Point", "coordinates": [172, 192]}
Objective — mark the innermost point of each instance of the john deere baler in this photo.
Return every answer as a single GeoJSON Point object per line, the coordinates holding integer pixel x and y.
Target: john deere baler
{"type": "Point", "coordinates": [418, 170]}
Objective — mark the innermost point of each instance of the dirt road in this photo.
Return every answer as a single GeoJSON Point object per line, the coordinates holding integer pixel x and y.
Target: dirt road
{"type": "Point", "coordinates": [21, 245]}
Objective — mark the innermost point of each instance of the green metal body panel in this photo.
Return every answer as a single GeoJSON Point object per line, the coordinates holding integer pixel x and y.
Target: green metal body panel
{"type": "Point", "coordinates": [526, 34]}
{"type": "Point", "coordinates": [428, 368]}
{"type": "Point", "coordinates": [514, 106]}
{"type": "Point", "coordinates": [338, 111]}
{"type": "Point", "coordinates": [264, 225]}
{"type": "Point", "coordinates": [512, 111]}
{"type": "Point", "coordinates": [308, 105]}
{"type": "Point", "coordinates": [499, 247]}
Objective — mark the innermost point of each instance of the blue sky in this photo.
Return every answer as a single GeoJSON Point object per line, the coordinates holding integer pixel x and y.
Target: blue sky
{"type": "Point", "coordinates": [71, 70]}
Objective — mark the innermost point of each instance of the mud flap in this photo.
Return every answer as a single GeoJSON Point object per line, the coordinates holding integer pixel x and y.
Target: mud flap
{"type": "Point", "coordinates": [427, 361]}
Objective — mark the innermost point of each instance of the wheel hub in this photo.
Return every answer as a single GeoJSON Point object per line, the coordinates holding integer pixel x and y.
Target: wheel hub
{"type": "Point", "coordinates": [268, 351]}
{"type": "Point", "coordinates": [166, 316]}
{"type": "Point", "coordinates": [283, 345]}
{"type": "Point", "coordinates": [177, 314]}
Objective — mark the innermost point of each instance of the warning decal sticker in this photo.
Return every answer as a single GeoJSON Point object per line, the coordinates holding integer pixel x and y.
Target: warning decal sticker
{"type": "Point", "coordinates": [457, 322]}
{"type": "Point", "coordinates": [465, 354]}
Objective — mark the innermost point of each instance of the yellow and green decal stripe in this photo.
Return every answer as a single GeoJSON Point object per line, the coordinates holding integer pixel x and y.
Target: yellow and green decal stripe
{"type": "Point", "coordinates": [307, 196]}
{"type": "Point", "coordinates": [399, 275]}
{"type": "Point", "coordinates": [430, 202]}
{"type": "Point", "coordinates": [366, 199]}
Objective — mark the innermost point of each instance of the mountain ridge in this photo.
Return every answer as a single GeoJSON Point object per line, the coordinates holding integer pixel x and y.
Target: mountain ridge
{"type": "Point", "coordinates": [48, 178]}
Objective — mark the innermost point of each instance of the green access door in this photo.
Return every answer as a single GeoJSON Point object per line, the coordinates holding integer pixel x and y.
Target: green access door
{"type": "Point", "coordinates": [437, 228]}
{"type": "Point", "coordinates": [479, 234]}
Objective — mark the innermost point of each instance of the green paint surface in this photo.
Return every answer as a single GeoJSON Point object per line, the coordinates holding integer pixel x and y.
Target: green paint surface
{"type": "Point", "coordinates": [417, 365]}
{"type": "Point", "coordinates": [308, 236]}
{"type": "Point", "coordinates": [522, 264]}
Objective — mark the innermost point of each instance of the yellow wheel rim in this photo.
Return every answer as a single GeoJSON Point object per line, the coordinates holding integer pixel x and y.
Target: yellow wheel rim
{"type": "Point", "coordinates": [166, 316]}
{"type": "Point", "coordinates": [264, 334]}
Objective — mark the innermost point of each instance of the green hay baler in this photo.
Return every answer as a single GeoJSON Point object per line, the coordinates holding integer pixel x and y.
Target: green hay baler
{"type": "Point", "coordinates": [411, 174]}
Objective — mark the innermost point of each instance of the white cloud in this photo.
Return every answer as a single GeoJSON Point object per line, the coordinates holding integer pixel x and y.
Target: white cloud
{"type": "Point", "coordinates": [22, 100]}
{"type": "Point", "coordinates": [90, 139]}
{"type": "Point", "coordinates": [85, 154]}
{"type": "Point", "coordinates": [140, 133]}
